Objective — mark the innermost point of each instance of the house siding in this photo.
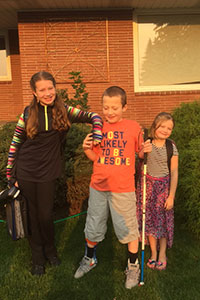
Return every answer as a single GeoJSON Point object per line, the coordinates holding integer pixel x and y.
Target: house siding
{"type": "Point", "coordinates": [117, 61]}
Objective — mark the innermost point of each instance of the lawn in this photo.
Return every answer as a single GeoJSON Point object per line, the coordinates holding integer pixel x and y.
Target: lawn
{"type": "Point", "coordinates": [180, 281]}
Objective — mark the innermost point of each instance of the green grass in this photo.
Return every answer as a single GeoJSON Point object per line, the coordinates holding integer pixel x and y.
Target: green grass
{"type": "Point", "coordinates": [179, 281]}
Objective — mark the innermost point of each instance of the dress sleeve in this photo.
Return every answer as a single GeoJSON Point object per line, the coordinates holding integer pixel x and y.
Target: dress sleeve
{"type": "Point", "coordinates": [175, 150]}
{"type": "Point", "coordinates": [17, 141]}
{"type": "Point", "coordinates": [76, 115]}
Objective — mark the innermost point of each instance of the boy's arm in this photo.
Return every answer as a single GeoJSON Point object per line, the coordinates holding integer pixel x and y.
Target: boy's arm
{"type": "Point", "coordinates": [173, 182]}
{"type": "Point", "coordinates": [90, 154]}
{"type": "Point", "coordinates": [87, 147]}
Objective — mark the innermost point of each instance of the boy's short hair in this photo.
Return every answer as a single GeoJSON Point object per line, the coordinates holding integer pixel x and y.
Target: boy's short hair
{"type": "Point", "coordinates": [113, 91]}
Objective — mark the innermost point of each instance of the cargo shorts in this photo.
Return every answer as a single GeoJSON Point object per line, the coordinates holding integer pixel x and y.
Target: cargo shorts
{"type": "Point", "coordinates": [122, 208]}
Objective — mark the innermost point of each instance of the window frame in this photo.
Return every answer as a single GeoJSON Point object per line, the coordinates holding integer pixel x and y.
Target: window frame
{"type": "Point", "coordinates": [8, 77]}
{"type": "Point", "coordinates": [156, 88]}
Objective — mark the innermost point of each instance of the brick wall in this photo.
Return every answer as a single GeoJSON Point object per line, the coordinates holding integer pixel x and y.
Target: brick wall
{"type": "Point", "coordinates": [11, 102]}
{"type": "Point", "coordinates": [60, 42]}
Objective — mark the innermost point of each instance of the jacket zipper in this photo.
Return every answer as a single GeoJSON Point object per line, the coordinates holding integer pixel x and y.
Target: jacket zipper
{"type": "Point", "coordinates": [46, 118]}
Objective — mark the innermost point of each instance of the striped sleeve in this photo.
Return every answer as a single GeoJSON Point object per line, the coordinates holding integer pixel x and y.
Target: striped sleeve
{"type": "Point", "coordinates": [17, 140]}
{"type": "Point", "coordinates": [76, 115]}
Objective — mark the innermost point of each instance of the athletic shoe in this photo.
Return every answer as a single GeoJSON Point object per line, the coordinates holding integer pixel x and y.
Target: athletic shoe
{"type": "Point", "coordinates": [132, 274]}
{"type": "Point", "coordinates": [54, 261]}
{"type": "Point", "coordinates": [38, 270]}
{"type": "Point", "coordinates": [86, 265]}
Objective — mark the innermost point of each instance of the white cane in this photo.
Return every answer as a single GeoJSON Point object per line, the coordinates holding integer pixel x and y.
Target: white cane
{"type": "Point", "coordinates": [144, 210]}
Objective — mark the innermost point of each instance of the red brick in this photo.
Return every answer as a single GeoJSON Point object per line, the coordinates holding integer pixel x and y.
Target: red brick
{"type": "Point", "coordinates": [33, 57]}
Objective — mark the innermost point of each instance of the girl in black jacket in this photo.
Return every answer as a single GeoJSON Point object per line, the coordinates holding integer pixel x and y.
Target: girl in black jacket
{"type": "Point", "coordinates": [34, 161]}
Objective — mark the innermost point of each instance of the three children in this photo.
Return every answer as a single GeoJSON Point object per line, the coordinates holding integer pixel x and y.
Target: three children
{"type": "Point", "coordinates": [112, 186]}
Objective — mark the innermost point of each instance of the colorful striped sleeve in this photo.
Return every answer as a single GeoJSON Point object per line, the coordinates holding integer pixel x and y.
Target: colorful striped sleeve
{"type": "Point", "coordinates": [17, 140]}
{"type": "Point", "coordinates": [76, 115]}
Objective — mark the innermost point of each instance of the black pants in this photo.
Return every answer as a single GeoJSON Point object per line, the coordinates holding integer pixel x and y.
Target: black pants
{"type": "Point", "coordinates": [40, 198]}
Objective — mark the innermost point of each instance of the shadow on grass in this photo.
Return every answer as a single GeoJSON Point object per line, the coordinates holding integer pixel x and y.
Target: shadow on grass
{"type": "Point", "coordinates": [180, 280]}
{"type": "Point", "coordinates": [71, 248]}
{"type": "Point", "coordinates": [14, 257]}
{"type": "Point", "coordinates": [106, 281]}
{"type": "Point", "coordinates": [7, 251]}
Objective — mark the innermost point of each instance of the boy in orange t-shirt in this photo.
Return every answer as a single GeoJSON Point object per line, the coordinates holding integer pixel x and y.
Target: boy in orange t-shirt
{"type": "Point", "coordinates": [112, 186]}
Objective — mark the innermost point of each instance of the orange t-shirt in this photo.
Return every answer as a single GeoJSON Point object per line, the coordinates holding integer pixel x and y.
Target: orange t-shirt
{"type": "Point", "coordinates": [114, 168]}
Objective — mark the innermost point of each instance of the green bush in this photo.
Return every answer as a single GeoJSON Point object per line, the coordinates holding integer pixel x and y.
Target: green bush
{"type": "Point", "coordinates": [73, 186]}
{"type": "Point", "coordinates": [187, 124]}
{"type": "Point", "coordinates": [73, 154]}
{"type": "Point", "coordinates": [6, 134]}
{"type": "Point", "coordinates": [188, 192]}
{"type": "Point", "coordinates": [186, 134]}
{"type": "Point", "coordinates": [80, 97]}
{"type": "Point", "coordinates": [77, 168]}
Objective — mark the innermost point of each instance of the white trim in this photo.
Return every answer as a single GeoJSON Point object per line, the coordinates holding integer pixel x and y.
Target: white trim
{"type": "Point", "coordinates": [135, 54]}
{"type": "Point", "coordinates": [8, 63]}
{"type": "Point", "coordinates": [166, 11]}
{"type": "Point", "coordinates": [160, 88]}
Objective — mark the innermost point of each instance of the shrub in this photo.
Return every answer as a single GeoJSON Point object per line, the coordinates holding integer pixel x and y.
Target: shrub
{"type": "Point", "coordinates": [188, 192]}
{"type": "Point", "coordinates": [187, 124]}
{"type": "Point", "coordinates": [77, 168]}
{"type": "Point", "coordinates": [73, 185]}
{"type": "Point", "coordinates": [6, 133]}
{"type": "Point", "coordinates": [187, 137]}
{"type": "Point", "coordinates": [80, 97]}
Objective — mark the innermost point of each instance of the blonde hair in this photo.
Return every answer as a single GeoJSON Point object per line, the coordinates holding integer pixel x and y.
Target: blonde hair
{"type": "Point", "coordinates": [59, 115]}
{"type": "Point", "coordinates": [159, 119]}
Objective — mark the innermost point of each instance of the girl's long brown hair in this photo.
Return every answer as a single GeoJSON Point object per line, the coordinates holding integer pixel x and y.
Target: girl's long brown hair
{"type": "Point", "coordinates": [59, 115]}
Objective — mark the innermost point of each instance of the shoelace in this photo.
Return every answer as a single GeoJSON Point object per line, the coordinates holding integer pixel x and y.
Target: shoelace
{"type": "Point", "coordinates": [84, 266]}
{"type": "Point", "coordinates": [131, 273]}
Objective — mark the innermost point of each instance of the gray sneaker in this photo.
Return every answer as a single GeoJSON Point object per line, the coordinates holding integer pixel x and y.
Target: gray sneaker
{"type": "Point", "coordinates": [86, 265]}
{"type": "Point", "coordinates": [132, 274]}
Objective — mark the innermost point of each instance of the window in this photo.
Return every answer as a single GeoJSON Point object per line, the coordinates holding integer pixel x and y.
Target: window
{"type": "Point", "coordinates": [166, 51]}
{"type": "Point", "coordinates": [5, 69]}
